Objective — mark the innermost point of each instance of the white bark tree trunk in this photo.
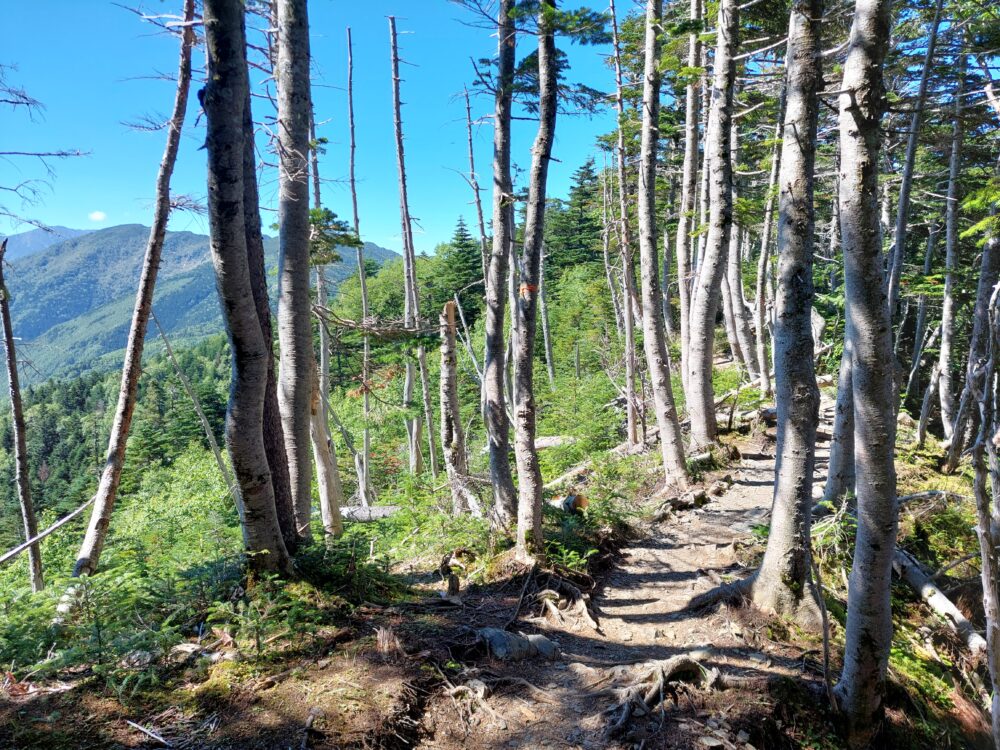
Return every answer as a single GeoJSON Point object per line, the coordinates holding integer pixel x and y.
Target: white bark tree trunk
{"type": "Point", "coordinates": [295, 368]}
{"type": "Point", "coordinates": [704, 303]}
{"type": "Point", "coordinates": [869, 329]}
{"type": "Point", "coordinates": [654, 338]}
{"type": "Point", "coordinates": [529, 472]}
{"type": "Point", "coordinates": [945, 386]}
{"type": "Point", "coordinates": [784, 582]}
{"type": "Point", "coordinates": [497, 423]}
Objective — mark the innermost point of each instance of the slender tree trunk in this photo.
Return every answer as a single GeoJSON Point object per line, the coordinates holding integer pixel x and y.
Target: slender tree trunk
{"type": "Point", "coordinates": [689, 189]}
{"type": "Point", "coordinates": [840, 478]}
{"type": "Point", "coordinates": [784, 582]}
{"type": "Point", "coordinates": [926, 342]}
{"type": "Point", "coordinates": [987, 508]}
{"type": "Point", "coordinates": [296, 368]}
{"type": "Point", "coordinates": [704, 302]}
{"type": "Point", "coordinates": [477, 197]}
{"type": "Point", "coordinates": [365, 493]}
{"type": "Point", "coordinates": [543, 308]}
{"type": "Point", "coordinates": [764, 261]}
{"type": "Point", "coordinates": [869, 329]}
{"type": "Point", "coordinates": [906, 178]}
{"type": "Point", "coordinates": [625, 248]}
{"type": "Point", "coordinates": [946, 391]}
{"type": "Point", "coordinates": [927, 403]}
{"type": "Point", "coordinates": [456, 463]}
{"type": "Point", "coordinates": [224, 100]}
{"type": "Point", "coordinates": [609, 274]}
{"type": "Point", "coordinates": [989, 271]}
{"type": "Point", "coordinates": [529, 472]}
{"type": "Point", "coordinates": [497, 424]}
{"type": "Point", "coordinates": [21, 474]}
{"type": "Point", "coordinates": [654, 340]}
{"type": "Point", "coordinates": [734, 271]}
{"type": "Point", "coordinates": [698, 248]}
{"type": "Point", "coordinates": [729, 321]}
{"type": "Point", "coordinates": [331, 491]}
{"type": "Point", "coordinates": [412, 307]}
{"type": "Point", "coordinates": [920, 327]}
{"type": "Point", "coordinates": [107, 491]}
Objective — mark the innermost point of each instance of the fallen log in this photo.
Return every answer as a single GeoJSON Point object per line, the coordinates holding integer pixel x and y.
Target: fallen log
{"type": "Point", "coordinates": [911, 571]}
{"type": "Point", "coordinates": [364, 514]}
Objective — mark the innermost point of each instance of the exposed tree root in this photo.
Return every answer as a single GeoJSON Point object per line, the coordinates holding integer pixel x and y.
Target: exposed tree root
{"type": "Point", "coordinates": [725, 593]}
{"type": "Point", "coordinates": [653, 686]}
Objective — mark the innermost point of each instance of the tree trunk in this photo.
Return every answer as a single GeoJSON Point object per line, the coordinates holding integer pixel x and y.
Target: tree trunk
{"type": "Point", "coordinates": [840, 478]}
{"type": "Point", "coordinates": [543, 308]}
{"type": "Point", "coordinates": [689, 189]}
{"type": "Point", "coordinates": [704, 302]}
{"type": "Point", "coordinates": [764, 262]}
{"type": "Point", "coordinates": [274, 433]}
{"type": "Point", "coordinates": [497, 424]}
{"type": "Point", "coordinates": [654, 340]}
{"type": "Point", "coordinates": [365, 493]}
{"type": "Point", "coordinates": [734, 271]}
{"type": "Point", "coordinates": [456, 464]}
{"type": "Point", "coordinates": [609, 274]}
{"type": "Point", "coordinates": [625, 248]}
{"type": "Point", "coordinates": [920, 328]}
{"type": "Point", "coordinates": [295, 368]}
{"type": "Point", "coordinates": [927, 404]}
{"type": "Point", "coordinates": [946, 390]}
{"type": "Point", "coordinates": [529, 472]}
{"type": "Point", "coordinates": [784, 582]}
{"type": "Point", "coordinates": [869, 329]}
{"type": "Point", "coordinates": [906, 178]}
{"type": "Point", "coordinates": [987, 512]}
{"type": "Point", "coordinates": [107, 491]}
{"type": "Point", "coordinates": [21, 474]}
{"type": "Point", "coordinates": [225, 96]}
{"type": "Point", "coordinates": [476, 194]}
{"type": "Point", "coordinates": [331, 491]}
{"type": "Point", "coordinates": [412, 306]}
{"type": "Point", "coordinates": [729, 321]}
{"type": "Point", "coordinates": [989, 271]}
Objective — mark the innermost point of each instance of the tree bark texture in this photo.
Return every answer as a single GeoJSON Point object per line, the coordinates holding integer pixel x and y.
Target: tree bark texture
{"type": "Point", "coordinates": [296, 369]}
{"type": "Point", "coordinates": [497, 424]}
{"type": "Point", "coordinates": [869, 616]}
{"type": "Point", "coordinates": [529, 472]}
{"type": "Point", "coordinates": [225, 97]}
{"type": "Point", "coordinates": [784, 582]}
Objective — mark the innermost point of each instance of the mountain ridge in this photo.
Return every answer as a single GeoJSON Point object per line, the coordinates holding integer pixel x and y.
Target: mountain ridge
{"type": "Point", "coordinates": [71, 303]}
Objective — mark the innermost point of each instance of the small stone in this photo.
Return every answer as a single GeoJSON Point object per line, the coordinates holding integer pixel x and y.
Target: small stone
{"type": "Point", "coordinates": [743, 736]}
{"type": "Point", "coordinates": [711, 741]}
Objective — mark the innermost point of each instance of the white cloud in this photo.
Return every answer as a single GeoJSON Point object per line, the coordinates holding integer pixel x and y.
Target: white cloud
{"type": "Point", "coordinates": [97, 216]}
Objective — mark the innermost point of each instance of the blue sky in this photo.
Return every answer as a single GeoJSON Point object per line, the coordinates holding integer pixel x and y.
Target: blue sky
{"type": "Point", "coordinates": [83, 58]}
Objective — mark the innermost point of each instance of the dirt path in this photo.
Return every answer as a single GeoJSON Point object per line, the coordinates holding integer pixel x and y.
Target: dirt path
{"type": "Point", "coordinates": [642, 615]}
